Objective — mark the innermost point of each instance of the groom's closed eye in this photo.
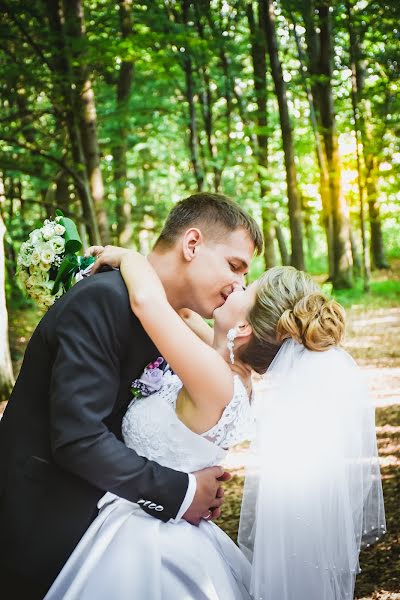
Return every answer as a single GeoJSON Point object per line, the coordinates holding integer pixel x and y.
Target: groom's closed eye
{"type": "Point", "coordinates": [239, 265]}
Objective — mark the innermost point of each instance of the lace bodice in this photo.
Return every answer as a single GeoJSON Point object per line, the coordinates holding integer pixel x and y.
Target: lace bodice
{"type": "Point", "coordinates": [152, 428]}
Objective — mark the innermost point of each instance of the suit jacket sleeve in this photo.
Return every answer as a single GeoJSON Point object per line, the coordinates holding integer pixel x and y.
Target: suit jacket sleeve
{"type": "Point", "coordinates": [91, 332]}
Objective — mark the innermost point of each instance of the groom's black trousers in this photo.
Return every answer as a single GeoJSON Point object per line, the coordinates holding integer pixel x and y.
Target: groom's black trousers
{"type": "Point", "coordinates": [13, 586]}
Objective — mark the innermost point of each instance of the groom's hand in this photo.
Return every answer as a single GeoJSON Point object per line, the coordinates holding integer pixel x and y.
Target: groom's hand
{"type": "Point", "coordinates": [209, 495]}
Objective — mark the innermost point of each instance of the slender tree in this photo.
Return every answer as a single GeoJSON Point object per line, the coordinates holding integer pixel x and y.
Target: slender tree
{"type": "Point", "coordinates": [294, 205]}
{"type": "Point", "coordinates": [6, 370]}
{"type": "Point", "coordinates": [187, 64]}
{"type": "Point", "coordinates": [261, 147]}
{"type": "Point", "coordinates": [85, 107]}
{"type": "Point", "coordinates": [65, 97]}
{"type": "Point", "coordinates": [124, 89]}
{"type": "Point", "coordinates": [317, 18]}
{"type": "Point", "coordinates": [319, 147]}
{"type": "Point", "coordinates": [355, 102]}
{"type": "Point", "coordinates": [362, 117]}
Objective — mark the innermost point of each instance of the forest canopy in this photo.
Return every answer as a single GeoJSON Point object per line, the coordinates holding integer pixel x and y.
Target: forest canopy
{"type": "Point", "coordinates": [113, 111]}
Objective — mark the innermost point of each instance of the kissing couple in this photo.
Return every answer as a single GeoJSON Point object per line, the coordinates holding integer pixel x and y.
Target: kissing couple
{"type": "Point", "coordinates": [102, 496]}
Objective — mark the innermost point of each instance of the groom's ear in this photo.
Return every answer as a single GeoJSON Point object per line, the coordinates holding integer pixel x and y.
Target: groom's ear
{"type": "Point", "coordinates": [191, 240]}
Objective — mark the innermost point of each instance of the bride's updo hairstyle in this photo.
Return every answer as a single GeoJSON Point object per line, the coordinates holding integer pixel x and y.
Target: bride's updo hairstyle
{"type": "Point", "coordinates": [289, 304]}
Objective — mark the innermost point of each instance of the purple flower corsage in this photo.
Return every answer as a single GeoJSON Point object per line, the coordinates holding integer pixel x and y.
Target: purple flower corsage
{"type": "Point", "coordinates": [150, 380]}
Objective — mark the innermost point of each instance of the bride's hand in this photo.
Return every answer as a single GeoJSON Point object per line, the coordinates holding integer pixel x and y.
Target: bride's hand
{"type": "Point", "coordinates": [106, 255]}
{"type": "Point", "coordinates": [141, 280]}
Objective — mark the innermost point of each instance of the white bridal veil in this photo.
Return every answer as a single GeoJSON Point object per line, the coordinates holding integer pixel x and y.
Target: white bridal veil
{"type": "Point", "coordinates": [313, 493]}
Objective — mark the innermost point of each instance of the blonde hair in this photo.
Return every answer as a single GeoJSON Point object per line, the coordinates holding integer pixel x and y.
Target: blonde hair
{"type": "Point", "coordinates": [289, 304]}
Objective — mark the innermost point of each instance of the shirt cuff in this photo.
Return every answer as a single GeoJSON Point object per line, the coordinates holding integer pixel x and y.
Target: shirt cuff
{"type": "Point", "coordinates": [188, 499]}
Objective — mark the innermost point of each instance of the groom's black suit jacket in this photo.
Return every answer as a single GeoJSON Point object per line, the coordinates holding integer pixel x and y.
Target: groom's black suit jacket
{"type": "Point", "coordinates": [60, 436]}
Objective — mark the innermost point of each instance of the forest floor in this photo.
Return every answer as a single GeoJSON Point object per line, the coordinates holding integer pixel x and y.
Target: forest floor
{"type": "Point", "coordinates": [373, 338]}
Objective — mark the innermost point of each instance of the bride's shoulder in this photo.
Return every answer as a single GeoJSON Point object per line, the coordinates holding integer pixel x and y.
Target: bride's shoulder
{"type": "Point", "coordinates": [236, 424]}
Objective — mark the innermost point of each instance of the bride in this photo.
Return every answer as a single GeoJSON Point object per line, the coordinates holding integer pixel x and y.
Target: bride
{"type": "Point", "coordinates": [312, 491]}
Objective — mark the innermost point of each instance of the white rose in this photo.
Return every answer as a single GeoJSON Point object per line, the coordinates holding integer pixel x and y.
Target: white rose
{"type": "Point", "coordinates": [32, 281]}
{"type": "Point", "coordinates": [45, 266]}
{"type": "Point", "coordinates": [25, 260]}
{"type": "Point", "coordinates": [57, 244]}
{"type": "Point", "coordinates": [47, 255]}
{"type": "Point", "coordinates": [59, 229]}
{"type": "Point", "coordinates": [35, 257]}
{"type": "Point", "coordinates": [48, 231]}
{"type": "Point", "coordinates": [35, 236]}
{"type": "Point", "coordinates": [40, 273]}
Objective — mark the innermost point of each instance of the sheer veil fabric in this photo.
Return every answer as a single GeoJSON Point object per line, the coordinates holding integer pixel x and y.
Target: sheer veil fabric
{"type": "Point", "coordinates": [313, 494]}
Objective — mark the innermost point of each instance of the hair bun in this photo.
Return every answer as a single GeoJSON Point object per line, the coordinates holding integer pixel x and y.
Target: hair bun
{"type": "Point", "coordinates": [314, 321]}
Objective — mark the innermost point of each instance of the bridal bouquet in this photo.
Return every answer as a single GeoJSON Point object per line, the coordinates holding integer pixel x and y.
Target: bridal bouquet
{"type": "Point", "coordinates": [48, 263]}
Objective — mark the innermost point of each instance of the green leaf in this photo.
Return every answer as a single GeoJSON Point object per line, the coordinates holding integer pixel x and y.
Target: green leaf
{"type": "Point", "coordinates": [67, 269]}
{"type": "Point", "coordinates": [73, 242]}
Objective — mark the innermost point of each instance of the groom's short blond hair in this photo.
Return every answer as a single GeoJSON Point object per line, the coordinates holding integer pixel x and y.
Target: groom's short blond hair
{"type": "Point", "coordinates": [213, 214]}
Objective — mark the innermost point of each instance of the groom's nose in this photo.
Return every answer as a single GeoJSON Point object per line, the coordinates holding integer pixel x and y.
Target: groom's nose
{"type": "Point", "coordinates": [239, 283]}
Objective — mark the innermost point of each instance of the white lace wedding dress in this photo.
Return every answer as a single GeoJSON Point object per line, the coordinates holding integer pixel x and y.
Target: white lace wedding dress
{"type": "Point", "coordinates": [127, 554]}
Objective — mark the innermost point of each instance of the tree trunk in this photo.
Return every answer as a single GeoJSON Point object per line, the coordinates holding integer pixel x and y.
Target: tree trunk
{"type": "Point", "coordinates": [268, 234]}
{"type": "Point", "coordinates": [62, 66]}
{"type": "Point", "coordinates": [6, 370]}
{"type": "Point", "coordinates": [86, 109]}
{"type": "Point", "coordinates": [280, 238]}
{"type": "Point", "coordinates": [320, 51]}
{"type": "Point", "coordinates": [206, 101]}
{"type": "Point", "coordinates": [124, 89]}
{"type": "Point", "coordinates": [189, 81]}
{"type": "Point", "coordinates": [295, 220]}
{"type": "Point", "coordinates": [355, 254]}
{"type": "Point", "coordinates": [319, 149]}
{"type": "Point", "coordinates": [261, 149]}
{"type": "Point", "coordinates": [371, 167]}
{"type": "Point", "coordinates": [355, 102]}
{"type": "Point", "coordinates": [377, 247]}
{"type": "Point", "coordinates": [228, 90]}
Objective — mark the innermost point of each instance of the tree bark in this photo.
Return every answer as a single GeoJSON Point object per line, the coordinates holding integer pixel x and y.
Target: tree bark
{"type": "Point", "coordinates": [189, 87]}
{"type": "Point", "coordinates": [294, 206]}
{"type": "Point", "coordinates": [6, 370]}
{"type": "Point", "coordinates": [319, 149]}
{"type": "Point", "coordinates": [124, 89]}
{"type": "Point", "coordinates": [258, 56]}
{"type": "Point", "coordinates": [377, 247]}
{"type": "Point", "coordinates": [268, 234]}
{"type": "Point", "coordinates": [86, 109]}
{"type": "Point", "coordinates": [206, 101]}
{"type": "Point", "coordinates": [320, 52]}
{"type": "Point", "coordinates": [355, 102]}
{"type": "Point", "coordinates": [363, 114]}
{"type": "Point", "coordinates": [280, 238]}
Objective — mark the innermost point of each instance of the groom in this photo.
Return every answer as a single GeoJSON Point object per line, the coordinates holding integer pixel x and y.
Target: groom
{"type": "Point", "coordinates": [60, 436]}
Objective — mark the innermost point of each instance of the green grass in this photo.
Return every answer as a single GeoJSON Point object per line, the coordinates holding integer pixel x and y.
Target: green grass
{"type": "Point", "coordinates": [383, 294]}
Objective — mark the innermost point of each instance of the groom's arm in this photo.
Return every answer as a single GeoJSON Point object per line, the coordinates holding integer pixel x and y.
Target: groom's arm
{"type": "Point", "coordinates": [91, 333]}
